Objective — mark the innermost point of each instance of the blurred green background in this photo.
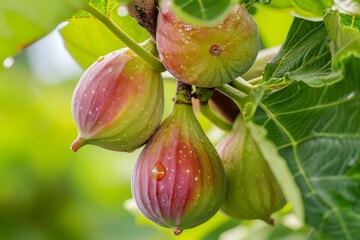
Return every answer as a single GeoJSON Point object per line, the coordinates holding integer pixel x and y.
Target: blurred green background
{"type": "Point", "coordinates": [49, 192]}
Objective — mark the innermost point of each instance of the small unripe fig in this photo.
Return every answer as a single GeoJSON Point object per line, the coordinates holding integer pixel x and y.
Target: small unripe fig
{"type": "Point", "coordinates": [252, 191]}
{"type": "Point", "coordinates": [178, 181]}
{"type": "Point", "coordinates": [206, 56]}
{"type": "Point", "coordinates": [118, 102]}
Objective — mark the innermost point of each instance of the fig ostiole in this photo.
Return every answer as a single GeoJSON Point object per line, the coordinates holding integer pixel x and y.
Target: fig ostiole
{"type": "Point", "coordinates": [252, 192]}
{"type": "Point", "coordinates": [206, 56]}
{"type": "Point", "coordinates": [118, 102]}
{"type": "Point", "coordinates": [178, 180]}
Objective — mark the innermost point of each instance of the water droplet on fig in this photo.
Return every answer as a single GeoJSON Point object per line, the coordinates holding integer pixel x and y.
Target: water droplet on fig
{"type": "Point", "coordinates": [187, 27]}
{"type": "Point", "coordinates": [158, 171]}
{"type": "Point", "coordinates": [100, 58]}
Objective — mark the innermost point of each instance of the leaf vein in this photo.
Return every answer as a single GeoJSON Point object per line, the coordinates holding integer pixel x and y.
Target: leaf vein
{"type": "Point", "coordinates": [301, 172]}
{"type": "Point", "coordinates": [294, 46]}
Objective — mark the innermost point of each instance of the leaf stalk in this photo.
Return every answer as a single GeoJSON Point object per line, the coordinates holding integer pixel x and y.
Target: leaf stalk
{"type": "Point", "coordinates": [207, 111]}
{"type": "Point", "coordinates": [239, 97]}
{"type": "Point", "coordinates": [150, 59]}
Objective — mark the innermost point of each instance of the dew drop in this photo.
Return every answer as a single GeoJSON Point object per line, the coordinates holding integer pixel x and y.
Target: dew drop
{"type": "Point", "coordinates": [158, 171]}
{"type": "Point", "coordinates": [100, 58]}
{"type": "Point", "coordinates": [187, 27]}
{"type": "Point", "coordinates": [215, 50]}
{"type": "Point", "coordinates": [8, 62]}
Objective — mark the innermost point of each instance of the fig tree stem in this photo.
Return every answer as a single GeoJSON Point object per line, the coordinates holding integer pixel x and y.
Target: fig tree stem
{"type": "Point", "coordinates": [242, 85]}
{"type": "Point", "coordinates": [239, 97]}
{"type": "Point", "coordinates": [206, 110]}
{"type": "Point", "coordinates": [150, 59]}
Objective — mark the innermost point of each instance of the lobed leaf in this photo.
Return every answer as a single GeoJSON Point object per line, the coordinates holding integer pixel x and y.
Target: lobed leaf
{"type": "Point", "coordinates": [316, 129]}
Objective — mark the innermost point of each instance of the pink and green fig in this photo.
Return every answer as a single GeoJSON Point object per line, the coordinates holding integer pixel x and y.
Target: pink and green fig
{"type": "Point", "coordinates": [118, 102]}
{"type": "Point", "coordinates": [178, 181]}
{"type": "Point", "coordinates": [206, 56]}
{"type": "Point", "coordinates": [252, 191]}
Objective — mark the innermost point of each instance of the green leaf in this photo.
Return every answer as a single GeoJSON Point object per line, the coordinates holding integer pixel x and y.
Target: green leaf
{"type": "Point", "coordinates": [344, 35]}
{"type": "Point", "coordinates": [103, 6]}
{"type": "Point", "coordinates": [305, 56]}
{"type": "Point", "coordinates": [311, 8]}
{"type": "Point", "coordinates": [23, 22]}
{"type": "Point", "coordinates": [280, 3]}
{"type": "Point", "coordinates": [86, 38]}
{"type": "Point", "coordinates": [351, 21]}
{"type": "Point", "coordinates": [316, 130]}
{"type": "Point", "coordinates": [203, 12]}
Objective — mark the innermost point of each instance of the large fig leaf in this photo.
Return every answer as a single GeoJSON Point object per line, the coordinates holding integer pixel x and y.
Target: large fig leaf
{"type": "Point", "coordinates": [23, 22]}
{"type": "Point", "coordinates": [203, 12]}
{"type": "Point", "coordinates": [86, 38]}
{"type": "Point", "coordinates": [316, 128]}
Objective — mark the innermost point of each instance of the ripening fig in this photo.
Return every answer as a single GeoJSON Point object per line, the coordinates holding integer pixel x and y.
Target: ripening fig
{"type": "Point", "coordinates": [178, 181]}
{"type": "Point", "coordinates": [207, 56]}
{"type": "Point", "coordinates": [252, 191]}
{"type": "Point", "coordinates": [118, 102]}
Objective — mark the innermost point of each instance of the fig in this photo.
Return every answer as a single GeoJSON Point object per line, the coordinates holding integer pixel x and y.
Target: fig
{"type": "Point", "coordinates": [178, 180]}
{"type": "Point", "coordinates": [252, 191]}
{"type": "Point", "coordinates": [118, 102]}
{"type": "Point", "coordinates": [206, 56]}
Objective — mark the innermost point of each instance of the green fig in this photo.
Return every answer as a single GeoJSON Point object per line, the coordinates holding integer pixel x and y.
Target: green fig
{"type": "Point", "coordinates": [252, 191]}
{"type": "Point", "coordinates": [206, 56]}
{"type": "Point", "coordinates": [118, 102]}
{"type": "Point", "coordinates": [178, 180]}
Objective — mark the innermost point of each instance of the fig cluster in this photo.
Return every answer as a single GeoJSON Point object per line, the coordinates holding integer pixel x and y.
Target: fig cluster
{"type": "Point", "coordinates": [179, 180]}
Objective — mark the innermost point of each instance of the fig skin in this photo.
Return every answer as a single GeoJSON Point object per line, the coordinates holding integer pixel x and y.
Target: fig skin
{"type": "Point", "coordinates": [206, 56]}
{"type": "Point", "coordinates": [252, 192]}
{"type": "Point", "coordinates": [118, 102]}
{"type": "Point", "coordinates": [178, 181]}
